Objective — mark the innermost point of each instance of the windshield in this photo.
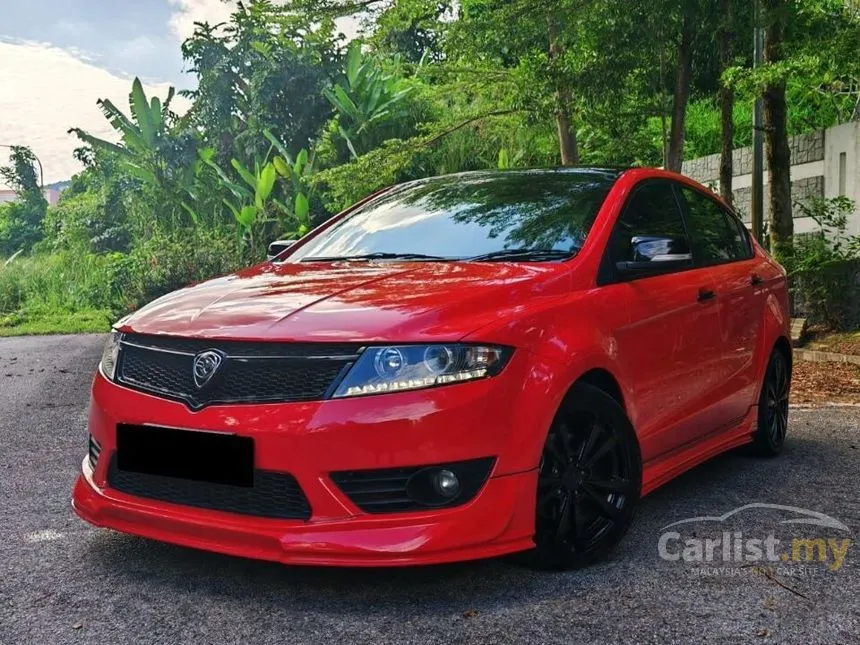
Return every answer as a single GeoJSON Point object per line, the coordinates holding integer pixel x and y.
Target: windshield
{"type": "Point", "coordinates": [522, 216]}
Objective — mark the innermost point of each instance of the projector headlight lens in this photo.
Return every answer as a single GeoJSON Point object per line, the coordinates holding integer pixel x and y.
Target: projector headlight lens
{"type": "Point", "coordinates": [414, 367]}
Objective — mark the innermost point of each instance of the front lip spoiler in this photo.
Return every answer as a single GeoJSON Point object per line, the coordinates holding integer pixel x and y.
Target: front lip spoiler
{"type": "Point", "coordinates": [498, 522]}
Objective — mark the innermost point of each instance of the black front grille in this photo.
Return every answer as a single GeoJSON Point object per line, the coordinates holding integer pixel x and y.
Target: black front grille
{"type": "Point", "coordinates": [392, 490]}
{"type": "Point", "coordinates": [251, 372]}
{"type": "Point", "coordinates": [94, 450]}
{"type": "Point", "coordinates": [273, 495]}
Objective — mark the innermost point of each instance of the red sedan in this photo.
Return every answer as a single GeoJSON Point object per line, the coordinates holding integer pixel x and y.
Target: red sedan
{"type": "Point", "coordinates": [456, 368]}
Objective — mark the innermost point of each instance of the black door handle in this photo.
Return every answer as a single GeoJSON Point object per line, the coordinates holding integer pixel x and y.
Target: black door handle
{"type": "Point", "coordinates": [706, 294]}
{"type": "Point", "coordinates": [756, 280]}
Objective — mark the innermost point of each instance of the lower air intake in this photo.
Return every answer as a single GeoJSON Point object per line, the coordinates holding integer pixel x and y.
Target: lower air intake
{"type": "Point", "coordinates": [396, 490]}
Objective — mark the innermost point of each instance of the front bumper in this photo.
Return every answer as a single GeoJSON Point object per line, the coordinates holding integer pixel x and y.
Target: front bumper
{"type": "Point", "coordinates": [312, 440]}
{"type": "Point", "coordinates": [499, 521]}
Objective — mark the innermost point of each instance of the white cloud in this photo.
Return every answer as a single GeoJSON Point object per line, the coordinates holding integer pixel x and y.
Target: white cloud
{"type": "Point", "coordinates": [44, 91]}
{"type": "Point", "coordinates": [214, 11]}
{"type": "Point", "coordinates": [190, 11]}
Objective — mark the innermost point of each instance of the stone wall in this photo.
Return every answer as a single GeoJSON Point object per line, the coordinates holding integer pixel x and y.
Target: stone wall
{"type": "Point", "coordinates": [801, 190]}
{"type": "Point", "coordinates": [805, 148]}
{"type": "Point", "coordinates": [825, 163]}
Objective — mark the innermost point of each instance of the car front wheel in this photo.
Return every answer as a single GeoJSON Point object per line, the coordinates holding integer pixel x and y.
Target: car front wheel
{"type": "Point", "coordinates": [589, 481]}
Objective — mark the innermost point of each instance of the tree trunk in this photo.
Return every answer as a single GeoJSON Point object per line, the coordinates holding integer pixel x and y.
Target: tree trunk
{"type": "Point", "coordinates": [566, 134]}
{"type": "Point", "coordinates": [727, 105]}
{"type": "Point", "coordinates": [681, 95]}
{"type": "Point", "coordinates": [776, 130]}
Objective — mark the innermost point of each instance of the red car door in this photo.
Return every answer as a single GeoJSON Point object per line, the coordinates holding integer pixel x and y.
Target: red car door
{"type": "Point", "coordinates": [721, 243]}
{"type": "Point", "coordinates": [671, 348]}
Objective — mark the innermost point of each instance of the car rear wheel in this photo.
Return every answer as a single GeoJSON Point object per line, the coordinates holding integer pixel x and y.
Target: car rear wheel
{"type": "Point", "coordinates": [769, 437]}
{"type": "Point", "coordinates": [589, 481]}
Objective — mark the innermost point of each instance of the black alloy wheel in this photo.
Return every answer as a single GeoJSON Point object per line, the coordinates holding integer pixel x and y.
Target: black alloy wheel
{"type": "Point", "coordinates": [773, 407]}
{"type": "Point", "coordinates": [589, 481]}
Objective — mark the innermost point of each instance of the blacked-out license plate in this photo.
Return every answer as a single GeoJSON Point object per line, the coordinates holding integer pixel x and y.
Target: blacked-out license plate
{"type": "Point", "coordinates": [186, 454]}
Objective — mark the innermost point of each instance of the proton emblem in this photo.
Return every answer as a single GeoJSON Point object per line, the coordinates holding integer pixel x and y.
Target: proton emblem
{"type": "Point", "coordinates": [206, 365]}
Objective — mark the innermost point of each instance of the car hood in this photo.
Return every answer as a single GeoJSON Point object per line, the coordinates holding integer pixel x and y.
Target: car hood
{"type": "Point", "coordinates": [349, 301]}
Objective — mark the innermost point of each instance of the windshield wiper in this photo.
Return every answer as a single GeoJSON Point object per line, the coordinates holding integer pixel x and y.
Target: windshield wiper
{"type": "Point", "coordinates": [524, 255]}
{"type": "Point", "coordinates": [376, 256]}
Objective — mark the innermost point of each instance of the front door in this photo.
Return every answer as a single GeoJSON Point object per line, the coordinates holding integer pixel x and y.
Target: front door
{"type": "Point", "coordinates": [672, 346]}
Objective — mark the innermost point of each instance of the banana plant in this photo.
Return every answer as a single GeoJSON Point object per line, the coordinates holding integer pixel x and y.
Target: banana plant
{"type": "Point", "coordinates": [365, 96]}
{"type": "Point", "coordinates": [298, 173]}
{"type": "Point", "coordinates": [251, 198]}
{"type": "Point", "coordinates": [141, 133]}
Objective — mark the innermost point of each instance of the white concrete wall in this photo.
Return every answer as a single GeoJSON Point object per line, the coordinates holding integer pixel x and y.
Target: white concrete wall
{"type": "Point", "coordinates": [842, 177]}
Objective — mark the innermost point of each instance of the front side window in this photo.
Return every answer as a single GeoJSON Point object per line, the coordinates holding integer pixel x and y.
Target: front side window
{"type": "Point", "coordinates": [715, 237]}
{"type": "Point", "coordinates": [540, 215]}
{"type": "Point", "coordinates": [650, 229]}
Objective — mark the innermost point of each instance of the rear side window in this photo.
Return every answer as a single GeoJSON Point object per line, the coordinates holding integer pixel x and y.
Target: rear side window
{"type": "Point", "coordinates": [743, 235]}
{"type": "Point", "coordinates": [714, 234]}
{"type": "Point", "coordinates": [650, 228]}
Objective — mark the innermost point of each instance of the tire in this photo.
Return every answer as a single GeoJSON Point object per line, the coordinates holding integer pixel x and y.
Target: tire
{"type": "Point", "coordinates": [769, 436]}
{"type": "Point", "coordinates": [589, 482]}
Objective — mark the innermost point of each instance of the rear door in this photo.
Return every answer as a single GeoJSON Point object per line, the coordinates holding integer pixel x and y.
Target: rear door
{"type": "Point", "coordinates": [722, 245]}
{"type": "Point", "coordinates": [671, 348]}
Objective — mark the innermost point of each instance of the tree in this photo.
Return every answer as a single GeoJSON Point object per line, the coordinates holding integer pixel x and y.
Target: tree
{"type": "Point", "coordinates": [727, 101]}
{"type": "Point", "coordinates": [21, 221]}
{"type": "Point", "coordinates": [681, 94]}
{"type": "Point", "coordinates": [776, 128]}
{"type": "Point", "coordinates": [159, 156]}
{"type": "Point", "coordinates": [566, 134]}
{"type": "Point", "coordinates": [413, 29]}
{"type": "Point", "coordinates": [264, 69]}
{"type": "Point", "coordinates": [526, 54]}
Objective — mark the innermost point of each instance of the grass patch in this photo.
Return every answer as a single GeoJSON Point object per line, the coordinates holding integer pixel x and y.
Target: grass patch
{"type": "Point", "coordinates": [69, 292]}
{"type": "Point", "coordinates": [78, 322]}
{"type": "Point", "coordinates": [66, 293]}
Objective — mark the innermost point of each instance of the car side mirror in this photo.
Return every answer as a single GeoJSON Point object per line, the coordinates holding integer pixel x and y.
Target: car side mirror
{"type": "Point", "coordinates": [654, 254]}
{"type": "Point", "coordinates": [277, 247]}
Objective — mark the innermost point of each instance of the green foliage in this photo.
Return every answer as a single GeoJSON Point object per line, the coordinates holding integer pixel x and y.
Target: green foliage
{"type": "Point", "coordinates": [346, 184]}
{"type": "Point", "coordinates": [159, 158]}
{"type": "Point", "coordinates": [167, 262]}
{"type": "Point", "coordinates": [289, 124]}
{"type": "Point", "coordinates": [85, 221]}
{"type": "Point", "coordinates": [366, 96]}
{"type": "Point", "coordinates": [823, 264]}
{"type": "Point", "coordinates": [66, 283]}
{"type": "Point", "coordinates": [21, 220]}
{"type": "Point", "coordinates": [264, 69]}
{"type": "Point", "coordinates": [63, 282]}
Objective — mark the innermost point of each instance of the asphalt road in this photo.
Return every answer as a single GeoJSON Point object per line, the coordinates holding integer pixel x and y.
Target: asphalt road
{"type": "Point", "coordinates": [62, 581]}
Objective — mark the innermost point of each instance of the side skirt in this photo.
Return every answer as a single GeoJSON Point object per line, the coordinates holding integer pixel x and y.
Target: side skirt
{"type": "Point", "coordinates": [666, 467]}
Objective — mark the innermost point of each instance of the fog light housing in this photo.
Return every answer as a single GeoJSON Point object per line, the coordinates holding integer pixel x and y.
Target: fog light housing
{"type": "Point", "coordinates": [437, 486]}
{"type": "Point", "coordinates": [415, 488]}
{"type": "Point", "coordinates": [446, 483]}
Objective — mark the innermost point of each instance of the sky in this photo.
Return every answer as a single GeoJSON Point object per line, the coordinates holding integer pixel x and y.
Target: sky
{"type": "Point", "coordinates": [57, 57]}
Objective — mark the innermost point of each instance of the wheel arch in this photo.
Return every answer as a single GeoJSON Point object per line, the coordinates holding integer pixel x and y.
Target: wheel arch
{"type": "Point", "coordinates": [783, 345]}
{"type": "Point", "coordinates": [603, 380]}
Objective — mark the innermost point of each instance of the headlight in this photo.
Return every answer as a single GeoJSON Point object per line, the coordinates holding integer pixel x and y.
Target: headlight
{"type": "Point", "coordinates": [109, 355]}
{"type": "Point", "coordinates": [412, 367]}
